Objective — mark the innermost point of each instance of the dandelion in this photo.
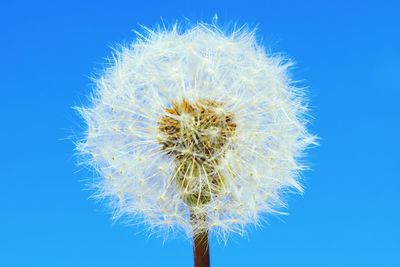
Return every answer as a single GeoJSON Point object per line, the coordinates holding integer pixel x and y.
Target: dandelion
{"type": "Point", "coordinates": [196, 130]}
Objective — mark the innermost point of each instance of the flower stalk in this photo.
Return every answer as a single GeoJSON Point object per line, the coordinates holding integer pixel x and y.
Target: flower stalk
{"type": "Point", "coordinates": [201, 247]}
{"type": "Point", "coordinates": [201, 250]}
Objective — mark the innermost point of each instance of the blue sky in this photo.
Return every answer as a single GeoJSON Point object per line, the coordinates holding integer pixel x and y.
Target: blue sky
{"type": "Point", "coordinates": [347, 53]}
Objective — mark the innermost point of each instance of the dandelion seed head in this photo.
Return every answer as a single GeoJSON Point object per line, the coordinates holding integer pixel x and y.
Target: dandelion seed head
{"type": "Point", "coordinates": [196, 130]}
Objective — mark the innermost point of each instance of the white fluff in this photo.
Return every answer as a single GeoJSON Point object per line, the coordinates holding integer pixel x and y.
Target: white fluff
{"type": "Point", "coordinates": [121, 141]}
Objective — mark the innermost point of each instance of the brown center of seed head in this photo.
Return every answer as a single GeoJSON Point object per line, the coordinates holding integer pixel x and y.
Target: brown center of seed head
{"type": "Point", "coordinates": [196, 134]}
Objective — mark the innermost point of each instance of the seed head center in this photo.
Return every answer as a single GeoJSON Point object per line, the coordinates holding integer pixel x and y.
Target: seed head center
{"type": "Point", "coordinates": [196, 130]}
{"type": "Point", "coordinates": [196, 134]}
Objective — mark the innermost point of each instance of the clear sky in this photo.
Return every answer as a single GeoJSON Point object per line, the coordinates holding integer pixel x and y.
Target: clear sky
{"type": "Point", "coordinates": [347, 53]}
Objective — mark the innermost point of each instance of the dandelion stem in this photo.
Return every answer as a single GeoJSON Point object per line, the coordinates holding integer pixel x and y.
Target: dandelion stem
{"type": "Point", "coordinates": [201, 250]}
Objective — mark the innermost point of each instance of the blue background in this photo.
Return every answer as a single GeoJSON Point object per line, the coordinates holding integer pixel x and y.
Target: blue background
{"type": "Point", "coordinates": [347, 52]}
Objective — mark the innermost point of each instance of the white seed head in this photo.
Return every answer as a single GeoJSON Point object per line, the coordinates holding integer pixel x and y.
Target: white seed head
{"type": "Point", "coordinates": [195, 130]}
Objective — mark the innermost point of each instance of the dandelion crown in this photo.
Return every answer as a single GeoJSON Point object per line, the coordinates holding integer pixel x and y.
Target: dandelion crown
{"type": "Point", "coordinates": [196, 130]}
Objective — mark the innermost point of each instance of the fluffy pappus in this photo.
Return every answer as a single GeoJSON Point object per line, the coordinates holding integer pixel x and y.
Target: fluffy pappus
{"type": "Point", "coordinates": [195, 130]}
